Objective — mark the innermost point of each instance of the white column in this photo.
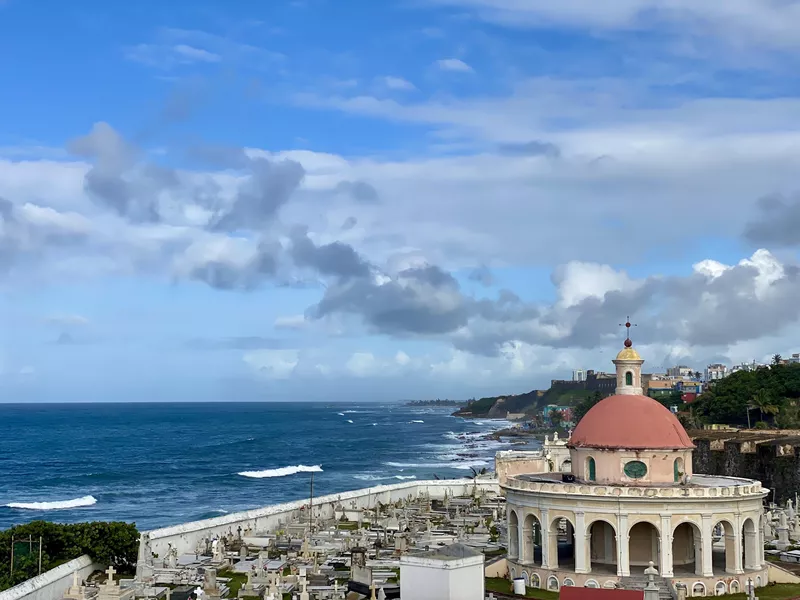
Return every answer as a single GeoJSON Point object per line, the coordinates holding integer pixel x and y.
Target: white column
{"type": "Point", "coordinates": [521, 553]}
{"type": "Point", "coordinates": [666, 546]}
{"type": "Point", "coordinates": [623, 560]}
{"type": "Point", "coordinates": [581, 543]}
{"type": "Point", "coordinates": [546, 541]}
{"type": "Point", "coordinates": [706, 534]}
{"type": "Point", "coordinates": [737, 545]}
{"type": "Point", "coordinates": [752, 560]}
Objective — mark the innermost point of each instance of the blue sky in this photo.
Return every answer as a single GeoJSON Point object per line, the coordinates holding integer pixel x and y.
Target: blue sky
{"type": "Point", "coordinates": [310, 200]}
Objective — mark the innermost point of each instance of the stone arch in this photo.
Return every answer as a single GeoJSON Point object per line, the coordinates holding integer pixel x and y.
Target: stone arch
{"type": "Point", "coordinates": [513, 534]}
{"type": "Point", "coordinates": [687, 548]}
{"type": "Point", "coordinates": [552, 583]}
{"type": "Point", "coordinates": [591, 469]}
{"type": "Point", "coordinates": [561, 542]}
{"type": "Point", "coordinates": [644, 544]}
{"type": "Point", "coordinates": [591, 583]}
{"type": "Point", "coordinates": [569, 582]}
{"type": "Point", "coordinates": [734, 586]}
{"type": "Point", "coordinates": [629, 378]}
{"type": "Point", "coordinates": [602, 543]}
{"type": "Point", "coordinates": [526, 578]}
{"type": "Point", "coordinates": [698, 589]}
{"type": "Point", "coordinates": [750, 545]}
{"type": "Point", "coordinates": [723, 547]}
{"type": "Point", "coordinates": [535, 580]}
{"type": "Point", "coordinates": [720, 589]}
{"type": "Point", "coordinates": [566, 465]}
{"type": "Point", "coordinates": [512, 572]}
{"type": "Point", "coordinates": [758, 581]}
{"type": "Point", "coordinates": [531, 551]}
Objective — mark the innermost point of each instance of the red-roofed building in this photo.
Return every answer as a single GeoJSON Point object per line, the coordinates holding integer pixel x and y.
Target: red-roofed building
{"type": "Point", "coordinates": [582, 593]}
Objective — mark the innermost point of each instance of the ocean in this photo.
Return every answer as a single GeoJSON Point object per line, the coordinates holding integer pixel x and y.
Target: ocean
{"type": "Point", "coordinates": [162, 464]}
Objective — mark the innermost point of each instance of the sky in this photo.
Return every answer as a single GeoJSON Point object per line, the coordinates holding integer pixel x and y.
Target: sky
{"type": "Point", "coordinates": [318, 200]}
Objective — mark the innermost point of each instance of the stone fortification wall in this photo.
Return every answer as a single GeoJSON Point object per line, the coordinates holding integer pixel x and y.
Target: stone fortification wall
{"type": "Point", "coordinates": [771, 457]}
{"type": "Point", "coordinates": [185, 537]}
{"type": "Point", "coordinates": [52, 584]}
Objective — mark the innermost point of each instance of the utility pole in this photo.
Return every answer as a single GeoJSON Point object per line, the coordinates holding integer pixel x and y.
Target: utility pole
{"type": "Point", "coordinates": [311, 506]}
{"type": "Point", "coordinates": [12, 557]}
{"type": "Point", "coordinates": [40, 555]}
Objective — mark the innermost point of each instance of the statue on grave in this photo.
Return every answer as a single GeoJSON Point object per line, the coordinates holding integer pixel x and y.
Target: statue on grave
{"type": "Point", "coordinates": [782, 521]}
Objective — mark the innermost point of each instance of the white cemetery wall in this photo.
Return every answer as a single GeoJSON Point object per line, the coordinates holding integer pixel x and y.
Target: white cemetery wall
{"type": "Point", "coordinates": [184, 537]}
{"type": "Point", "coordinates": [52, 584]}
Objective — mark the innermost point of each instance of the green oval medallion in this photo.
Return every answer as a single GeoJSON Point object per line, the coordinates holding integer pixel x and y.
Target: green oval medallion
{"type": "Point", "coordinates": [635, 469]}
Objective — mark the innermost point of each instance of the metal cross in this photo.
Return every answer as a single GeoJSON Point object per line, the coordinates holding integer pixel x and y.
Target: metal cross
{"type": "Point", "coordinates": [627, 325]}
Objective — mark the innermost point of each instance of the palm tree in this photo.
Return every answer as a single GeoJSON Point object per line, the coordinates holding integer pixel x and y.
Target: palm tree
{"type": "Point", "coordinates": [764, 403]}
{"type": "Point", "coordinates": [697, 375]}
{"type": "Point", "coordinates": [777, 359]}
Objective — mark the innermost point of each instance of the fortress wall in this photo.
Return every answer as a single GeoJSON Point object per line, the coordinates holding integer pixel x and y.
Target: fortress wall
{"type": "Point", "coordinates": [184, 537]}
{"type": "Point", "coordinates": [52, 584]}
{"type": "Point", "coordinates": [775, 462]}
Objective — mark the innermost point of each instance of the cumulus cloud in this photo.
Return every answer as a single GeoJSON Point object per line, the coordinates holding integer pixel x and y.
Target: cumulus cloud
{"type": "Point", "coordinates": [454, 64]}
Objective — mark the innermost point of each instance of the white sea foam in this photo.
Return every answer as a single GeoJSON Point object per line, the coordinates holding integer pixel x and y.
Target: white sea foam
{"type": "Point", "coordinates": [57, 505]}
{"type": "Point", "coordinates": [349, 420]}
{"type": "Point", "coordinates": [370, 477]}
{"type": "Point", "coordinates": [416, 421]}
{"type": "Point", "coordinates": [465, 464]}
{"type": "Point", "coordinates": [281, 472]}
{"type": "Point", "coordinates": [374, 424]}
{"type": "Point", "coordinates": [340, 414]}
{"type": "Point", "coordinates": [347, 412]}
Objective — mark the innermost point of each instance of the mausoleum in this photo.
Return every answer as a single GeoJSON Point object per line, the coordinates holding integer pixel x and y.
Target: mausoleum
{"type": "Point", "coordinates": [630, 498]}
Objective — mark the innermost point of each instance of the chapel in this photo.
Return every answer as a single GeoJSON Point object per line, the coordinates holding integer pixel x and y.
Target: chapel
{"type": "Point", "coordinates": [629, 497]}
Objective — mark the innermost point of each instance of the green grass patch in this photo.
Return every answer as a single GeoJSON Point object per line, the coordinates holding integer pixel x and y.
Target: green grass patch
{"type": "Point", "coordinates": [778, 591]}
{"type": "Point", "coordinates": [348, 525]}
{"type": "Point", "coordinates": [498, 584]}
{"type": "Point", "coordinates": [237, 580]}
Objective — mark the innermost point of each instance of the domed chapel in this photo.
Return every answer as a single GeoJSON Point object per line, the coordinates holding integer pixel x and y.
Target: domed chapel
{"type": "Point", "coordinates": [632, 498]}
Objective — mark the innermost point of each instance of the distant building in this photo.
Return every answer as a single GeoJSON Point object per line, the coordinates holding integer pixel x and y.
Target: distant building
{"type": "Point", "coordinates": [716, 371]}
{"type": "Point", "coordinates": [680, 371]}
{"type": "Point", "coordinates": [794, 359]}
{"type": "Point", "coordinates": [579, 375]}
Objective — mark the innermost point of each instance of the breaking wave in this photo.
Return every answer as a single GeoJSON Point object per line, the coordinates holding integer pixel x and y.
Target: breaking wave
{"type": "Point", "coordinates": [349, 420]}
{"type": "Point", "coordinates": [467, 464]}
{"type": "Point", "coordinates": [416, 421]}
{"type": "Point", "coordinates": [57, 505]}
{"type": "Point", "coordinates": [282, 471]}
{"type": "Point", "coordinates": [369, 477]}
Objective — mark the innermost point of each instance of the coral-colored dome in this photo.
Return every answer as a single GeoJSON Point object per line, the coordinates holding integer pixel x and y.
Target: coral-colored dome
{"type": "Point", "coordinates": [630, 422]}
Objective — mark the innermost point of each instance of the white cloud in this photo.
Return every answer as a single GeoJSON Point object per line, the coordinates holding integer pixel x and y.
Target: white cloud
{"type": "Point", "coordinates": [291, 322]}
{"type": "Point", "coordinates": [273, 364]}
{"type": "Point", "coordinates": [740, 22]}
{"type": "Point", "coordinates": [398, 83]}
{"type": "Point", "coordinates": [454, 64]}
{"type": "Point", "coordinates": [196, 54]}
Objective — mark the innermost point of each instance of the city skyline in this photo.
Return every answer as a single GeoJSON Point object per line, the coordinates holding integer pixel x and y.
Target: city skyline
{"type": "Point", "coordinates": [433, 198]}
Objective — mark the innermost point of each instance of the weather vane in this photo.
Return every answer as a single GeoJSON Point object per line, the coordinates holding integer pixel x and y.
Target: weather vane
{"type": "Point", "coordinates": [627, 324]}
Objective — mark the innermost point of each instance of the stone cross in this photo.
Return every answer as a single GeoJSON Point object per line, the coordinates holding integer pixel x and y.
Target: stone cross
{"type": "Point", "coordinates": [110, 572]}
{"type": "Point", "coordinates": [372, 589]}
{"type": "Point", "coordinates": [76, 581]}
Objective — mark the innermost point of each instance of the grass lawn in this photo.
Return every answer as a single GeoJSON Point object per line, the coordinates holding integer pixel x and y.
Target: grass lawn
{"type": "Point", "coordinates": [237, 580]}
{"type": "Point", "coordinates": [780, 591]}
{"type": "Point", "coordinates": [498, 584]}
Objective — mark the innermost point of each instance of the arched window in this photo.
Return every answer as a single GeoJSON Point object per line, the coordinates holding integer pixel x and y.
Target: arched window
{"type": "Point", "coordinates": [628, 378]}
{"type": "Point", "coordinates": [678, 469]}
{"type": "Point", "coordinates": [591, 469]}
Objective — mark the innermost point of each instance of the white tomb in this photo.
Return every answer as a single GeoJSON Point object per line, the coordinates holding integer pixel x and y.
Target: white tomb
{"type": "Point", "coordinates": [454, 572]}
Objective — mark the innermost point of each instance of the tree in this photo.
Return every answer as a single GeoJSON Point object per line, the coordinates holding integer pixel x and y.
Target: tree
{"type": "Point", "coordinates": [777, 359]}
{"type": "Point", "coordinates": [585, 405]}
{"type": "Point", "coordinates": [697, 375]}
{"type": "Point", "coordinates": [556, 418]}
{"type": "Point", "coordinates": [763, 401]}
